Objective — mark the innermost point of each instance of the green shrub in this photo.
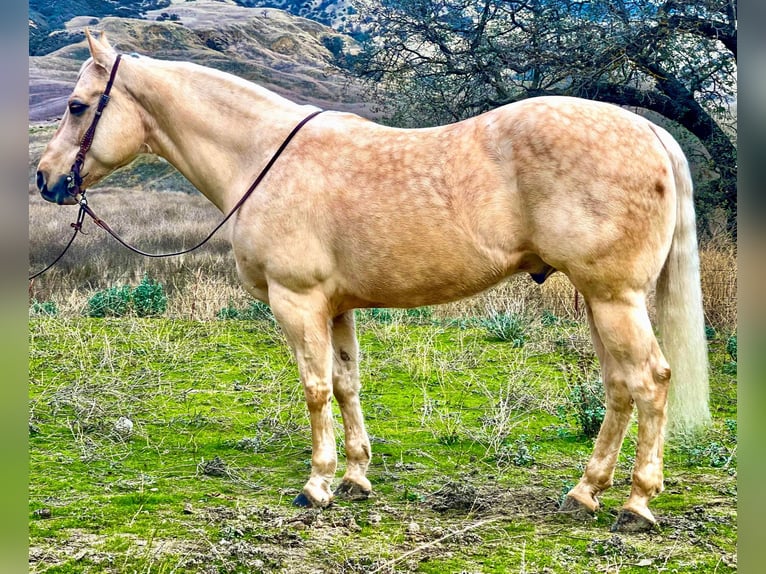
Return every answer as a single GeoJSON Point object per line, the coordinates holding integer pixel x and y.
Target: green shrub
{"type": "Point", "coordinates": [548, 319]}
{"type": "Point", "coordinates": [730, 367]}
{"type": "Point", "coordinates": [419, 314]}
{"type": "Point", "coordinates": [712, 454]}
{"type": "Point", "coordinates": [380, 315]}
{"type": "Point", "coordinates": [517, 454]}
{"type": "Point", "coordinates": [43, 308]}
{"type": "Point", "coordinates": [714, 447]}
{"type": "Point", "coordinates": [228, 312]}
{"type": "Point", "coordinates": [508, 327]}
{"type": "Point", "coordinates": [111, 302]}
{"type": "Point", "coordinates": [586, 404]}
{"type": "Point", "coordinates": [256, 311]}
{"type": "Point", "coordinates": [731, 429]}
{"type": "Point", "coordinates": [149, 299]}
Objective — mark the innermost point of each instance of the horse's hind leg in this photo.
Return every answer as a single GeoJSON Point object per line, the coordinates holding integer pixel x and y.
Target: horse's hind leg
{"type": "Point", "coordinates": [599, 472]}
{"type": "Point", "coordinates": [634, 370]}
{"type": "Point", "coordinates": [346, 387]}
{"type": "Point", "coordinates": [306, 324]}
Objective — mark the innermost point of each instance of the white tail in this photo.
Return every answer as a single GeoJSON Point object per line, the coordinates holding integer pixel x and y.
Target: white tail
{"type": "Point", "coordinates": [680, 315]}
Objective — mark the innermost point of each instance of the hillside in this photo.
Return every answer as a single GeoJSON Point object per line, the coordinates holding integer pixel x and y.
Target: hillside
{"type": "Point", "coordinates": [282, 52]}
{"type": "Point", "coordinates": [48, 18]}
{"type": "Point", "coordinates": [336, 13]}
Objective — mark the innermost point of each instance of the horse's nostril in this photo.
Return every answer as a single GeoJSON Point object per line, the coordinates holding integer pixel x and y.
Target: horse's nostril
{"type": "Point", "coordinates": [40, 180]}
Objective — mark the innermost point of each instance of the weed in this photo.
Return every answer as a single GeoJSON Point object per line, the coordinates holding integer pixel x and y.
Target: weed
{"type": "Point", "coordinates": [413, 496]}
{"type": "Point", "coordinates": [509, 327]}
{"type": "Point", "coordinates": [548, 319]}
{"type": "Point", "coordinates": [419, 314]}
{"type": "Point", "coordinates": [379, 315]}
{"type": "Point", "coordinates": [585, 402]}
{"type": "Point", "coordinates": [448, 428]}
{"type": "Point", "coordinates": [566, 486]}
{"type": "Point", "coordinates": [43, 308]}
{"type": "Point", "coordinates": [111, 302]}
{"type": "Point", "coordinates": [148, 298]}
{"type": "Point", "coordinates": [589, 407]}
{"type": "Point", "coordinates": [255, 311]}
{"type": "Point", "coordinates": [613, 546]}
{"type": "Point", "coordinates": [715, 447]}
{"type": "Point", "coordinates": [518, 454]}
{"type": "Point", "coordinates": [731, 429]}
{"type": "Point", "coordinates": [710, 454]}
{"type": "Point", "coordinates": [258, 311]}
{"type": "Point", "coordinates": [228, 312]}
{"type": "Point", "coordinates": [222, 428]}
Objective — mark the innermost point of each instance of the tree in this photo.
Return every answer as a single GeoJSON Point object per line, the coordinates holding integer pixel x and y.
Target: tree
{"type": "Point", "coordinates": [436, 61]}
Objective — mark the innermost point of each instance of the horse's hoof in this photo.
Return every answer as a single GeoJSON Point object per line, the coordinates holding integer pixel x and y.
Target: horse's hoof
{"type": "Point", "coordinates": [304, 501]}
{"type": "Point", "coordinates": [576, 509]}
{"type": "Point", "coordinates": [351, 491]}
{"type": "Point", "coordinates": [629, 521]}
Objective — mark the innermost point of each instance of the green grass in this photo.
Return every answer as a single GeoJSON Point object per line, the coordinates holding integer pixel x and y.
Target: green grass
{"type": "Point", "coordinates": [470, 455]}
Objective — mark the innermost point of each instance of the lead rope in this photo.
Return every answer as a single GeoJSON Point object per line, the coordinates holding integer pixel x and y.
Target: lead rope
{"type": "Point", "coordinates": [86, 209]}
{"type": "Point", "coordinates": [77, 229]}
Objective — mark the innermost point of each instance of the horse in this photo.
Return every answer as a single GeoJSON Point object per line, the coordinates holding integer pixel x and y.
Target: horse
{"type": "Point", "coordinates": [355, 214]}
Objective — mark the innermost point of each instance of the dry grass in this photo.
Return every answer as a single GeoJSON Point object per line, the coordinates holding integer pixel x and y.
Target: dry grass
{"type": "Point", "coordinates": [201, 283]}
{"type": "Point", "coordinates": [718, 269]}
{"type": "Point", "coordinates": [198, 284]}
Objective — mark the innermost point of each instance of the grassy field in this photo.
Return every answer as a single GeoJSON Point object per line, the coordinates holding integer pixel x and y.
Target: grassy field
{"type": "Point", "coordinates": [474, 442]}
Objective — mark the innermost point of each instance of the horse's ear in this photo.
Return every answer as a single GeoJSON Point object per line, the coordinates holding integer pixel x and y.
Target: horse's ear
{"type": "Point", "coordinates": [102, 52]}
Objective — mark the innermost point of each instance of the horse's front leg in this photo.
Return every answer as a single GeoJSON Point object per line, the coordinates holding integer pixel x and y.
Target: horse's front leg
{"type": "Point", "coordinates": [306, 323]}
{"type": "Point", "coordinates": [346, 385]}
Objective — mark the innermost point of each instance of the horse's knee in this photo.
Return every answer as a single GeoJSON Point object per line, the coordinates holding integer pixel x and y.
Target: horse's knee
{"type": "Point", "coordinates": [318, 393]}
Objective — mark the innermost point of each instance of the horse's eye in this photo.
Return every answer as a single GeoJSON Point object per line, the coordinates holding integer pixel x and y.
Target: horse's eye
{"type": "Point", "coordinates": [76, 108]}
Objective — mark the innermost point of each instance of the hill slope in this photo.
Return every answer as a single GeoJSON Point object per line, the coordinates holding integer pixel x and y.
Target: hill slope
{"type": "Point", "coordinates": [282, 52]}
{"type": "Point", "coordinates": [48, 18]}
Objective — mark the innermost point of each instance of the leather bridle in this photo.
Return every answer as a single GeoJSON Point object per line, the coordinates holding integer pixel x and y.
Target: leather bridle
{"type": "Point", "coordinates": [75, 182]}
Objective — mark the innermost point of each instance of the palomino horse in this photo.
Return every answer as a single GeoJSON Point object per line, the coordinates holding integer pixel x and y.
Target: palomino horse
{"type": "Point", "coordinates": [355, 214]}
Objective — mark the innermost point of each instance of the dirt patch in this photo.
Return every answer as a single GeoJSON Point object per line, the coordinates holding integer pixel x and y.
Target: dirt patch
{"type": "Point", "coordinates": [465, 497]}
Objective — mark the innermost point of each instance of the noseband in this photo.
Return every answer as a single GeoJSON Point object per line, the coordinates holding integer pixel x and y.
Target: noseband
{"type": "Point", "coordinates": [74, 180]}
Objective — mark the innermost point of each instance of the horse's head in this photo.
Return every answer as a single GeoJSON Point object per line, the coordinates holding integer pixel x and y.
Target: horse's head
{"type": "Point", "coordinates": [117, 141]}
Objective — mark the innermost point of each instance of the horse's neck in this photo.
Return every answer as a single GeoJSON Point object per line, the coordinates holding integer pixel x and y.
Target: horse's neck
{"type": "Point", "coordinates": [217, 130]}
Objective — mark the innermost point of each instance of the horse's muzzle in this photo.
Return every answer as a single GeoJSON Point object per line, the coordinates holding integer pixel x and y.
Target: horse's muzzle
{"type": "Point", "coordinates": [58, 192]}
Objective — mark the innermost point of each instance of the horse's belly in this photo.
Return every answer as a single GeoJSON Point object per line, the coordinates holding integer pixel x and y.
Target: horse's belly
{"type": "Point", "coordinates": [429, 276]}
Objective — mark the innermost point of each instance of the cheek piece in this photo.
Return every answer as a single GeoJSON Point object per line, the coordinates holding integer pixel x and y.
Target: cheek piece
{"type": "Point", "coordinates": [74, 179]}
